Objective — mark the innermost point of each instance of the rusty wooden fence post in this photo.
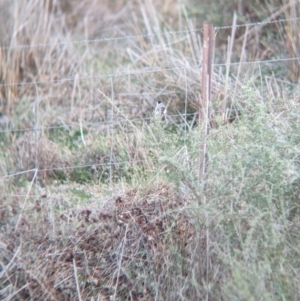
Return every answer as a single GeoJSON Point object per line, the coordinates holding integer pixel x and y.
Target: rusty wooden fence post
{"type": "Point", "coordinates": [208, 52]}
{"type": "Point", "coordinates": [204, 114]}
{"type": "Point", "coordinates": [205, 120]}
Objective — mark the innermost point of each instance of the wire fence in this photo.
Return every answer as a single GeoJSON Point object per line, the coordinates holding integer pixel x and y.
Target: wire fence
{"type": "Point", "coordinates": [161, 33]}
{"type": "Point", "coordinates": [154, 70]}
{"type": "Point", "coordinates": [92, 165]}
{"type": "Point", "coordinates": [121, 117]}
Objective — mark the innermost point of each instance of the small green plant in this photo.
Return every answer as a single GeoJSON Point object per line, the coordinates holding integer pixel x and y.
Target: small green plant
{"type": "Point", "coordinates": [81, 194]}
{"type": "Point", "coordinates": [81, 175]}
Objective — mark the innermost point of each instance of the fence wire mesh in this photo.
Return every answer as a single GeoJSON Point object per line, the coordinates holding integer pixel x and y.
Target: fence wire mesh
{"type": "Point", "coordinates": [119, 103]}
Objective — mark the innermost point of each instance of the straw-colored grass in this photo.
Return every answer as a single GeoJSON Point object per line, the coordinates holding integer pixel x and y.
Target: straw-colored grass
{"type": "Point", "coordinates": [102, 201]}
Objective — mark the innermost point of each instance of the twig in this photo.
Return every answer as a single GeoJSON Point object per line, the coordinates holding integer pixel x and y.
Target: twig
{"type": "Point", "coordinates": [120, 262]}
{"type": "Point", "coordinates": [76, 280]}
{"type": "Point", "coordinates": [116, 108]}
{"type": "Point", "coordinates": [81, 133]}
{"type": "Point", "coordinates": [10, 297]}
{"type": "Point", "coordinates": [27, 195]}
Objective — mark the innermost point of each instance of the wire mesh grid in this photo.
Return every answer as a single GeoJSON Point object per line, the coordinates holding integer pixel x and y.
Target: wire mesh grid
{"type": "Point", "coordinates": [116, 117]}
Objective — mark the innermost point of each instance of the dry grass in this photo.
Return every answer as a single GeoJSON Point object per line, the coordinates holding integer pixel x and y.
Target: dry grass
{"type": "Point", "coordinates": [132, 221]}
{"type": "Point", "coordinates": [115, 249]}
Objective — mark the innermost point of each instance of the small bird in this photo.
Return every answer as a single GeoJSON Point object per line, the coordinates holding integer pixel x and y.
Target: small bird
{"type": "Point", "coordinates": [160, 111]}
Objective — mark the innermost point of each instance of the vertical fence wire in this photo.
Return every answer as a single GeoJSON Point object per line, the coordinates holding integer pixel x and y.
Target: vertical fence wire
{"type": "Point", "coordinates": [185, 109]}
{"type": "Point", "coordinates": [111, 135]}
{"type": "Point", "coordinates": [37, 134]}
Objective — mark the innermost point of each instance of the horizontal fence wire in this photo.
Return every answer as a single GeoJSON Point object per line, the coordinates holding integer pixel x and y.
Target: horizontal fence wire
{"type": "Point", "coordinates": [173, 32]}
{"type": "Point", "coordinates": [147, 72]}
{"type": "Point", "coordinates": [257, 23]}
{"type": "Point", "coordinates": [260, 62]}
{"type": "Point", "coordinates": [99, 76]}
{"type": "Point", "coordinates": [105, 40]}
{"type": "Point", "coordinates": [91, 165]}
{"type": "Point", "coordinates": [116, 122]}
{"type": "Point", "coordinates": [92, 124]}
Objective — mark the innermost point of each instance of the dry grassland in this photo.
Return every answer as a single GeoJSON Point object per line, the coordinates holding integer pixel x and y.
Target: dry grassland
{"type": "Point", "coordinates": [101, 201]}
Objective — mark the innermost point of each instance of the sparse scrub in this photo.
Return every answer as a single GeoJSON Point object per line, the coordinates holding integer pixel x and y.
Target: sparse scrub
{"type": "Point", "coordinates": [108, 202]}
